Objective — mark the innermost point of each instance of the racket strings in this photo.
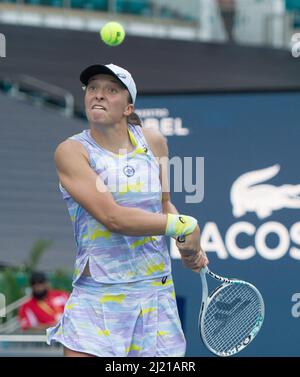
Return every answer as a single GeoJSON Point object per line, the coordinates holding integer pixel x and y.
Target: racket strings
{"type": "Point", "coordinates": [223, 320]}
{"type": "Point", "coordinates": [224, 324]}
{"type": "Point", "coordinates": [230, 316]}
{"type": "Point", "coordinates": [233, 332]}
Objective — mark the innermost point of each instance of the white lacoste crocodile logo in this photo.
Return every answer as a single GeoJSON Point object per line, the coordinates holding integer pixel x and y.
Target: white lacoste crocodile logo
{"type": "Point", "coordinates": [248, 194]}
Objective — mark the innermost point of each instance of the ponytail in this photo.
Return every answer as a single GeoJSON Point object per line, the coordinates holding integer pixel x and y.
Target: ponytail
{"type": "Point", "coordinates": [134, 119]}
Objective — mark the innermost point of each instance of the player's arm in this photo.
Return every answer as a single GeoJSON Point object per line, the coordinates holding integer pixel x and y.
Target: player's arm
{"type": "Point", "coordinates": [87, 189]}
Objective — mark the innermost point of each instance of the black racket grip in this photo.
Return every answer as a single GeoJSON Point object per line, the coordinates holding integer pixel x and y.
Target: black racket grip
{"type": "Point", "coordinates": [181, 239]}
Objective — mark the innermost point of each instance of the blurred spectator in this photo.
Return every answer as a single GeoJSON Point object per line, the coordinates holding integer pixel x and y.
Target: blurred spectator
{"type": "Point", "coordinates": [227, 11]}
{"type": "Point", "coordinates": [45, 306]}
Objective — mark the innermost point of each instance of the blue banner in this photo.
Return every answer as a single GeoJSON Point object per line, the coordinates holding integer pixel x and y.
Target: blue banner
{"type": "Point", "coordinates": [249, 215]}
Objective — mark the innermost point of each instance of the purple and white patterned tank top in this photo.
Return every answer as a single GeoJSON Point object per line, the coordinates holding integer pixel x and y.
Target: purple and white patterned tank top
{"type": "Point", "coordinates": [133, 179]}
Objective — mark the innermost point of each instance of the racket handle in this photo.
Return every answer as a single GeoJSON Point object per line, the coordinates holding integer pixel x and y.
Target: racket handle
{"type": "Point", "coordinates": [204, 270]}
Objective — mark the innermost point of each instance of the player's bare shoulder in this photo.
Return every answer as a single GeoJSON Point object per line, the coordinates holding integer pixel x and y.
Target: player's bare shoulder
{"type": "Point", "coordinates": [67, 152]}
{"type": "Point", "coordinates": [157, 141]}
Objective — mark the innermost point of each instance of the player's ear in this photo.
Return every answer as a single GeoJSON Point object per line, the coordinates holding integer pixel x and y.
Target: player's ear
{"type": "Point", "coordinates": [129, 109]}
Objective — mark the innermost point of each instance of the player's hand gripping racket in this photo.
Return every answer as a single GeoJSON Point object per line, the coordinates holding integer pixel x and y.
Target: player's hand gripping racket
{"type": "Point", "coordinates": [231, 316]}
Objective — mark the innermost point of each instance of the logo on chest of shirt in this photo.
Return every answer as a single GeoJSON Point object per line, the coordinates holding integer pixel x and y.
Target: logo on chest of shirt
{"type": "Point", "coordinates": [128, 171]}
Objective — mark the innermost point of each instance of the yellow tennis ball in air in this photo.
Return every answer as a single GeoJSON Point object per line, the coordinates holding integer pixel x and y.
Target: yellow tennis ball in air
{"type": "Point", "coordinates": [112, 33]}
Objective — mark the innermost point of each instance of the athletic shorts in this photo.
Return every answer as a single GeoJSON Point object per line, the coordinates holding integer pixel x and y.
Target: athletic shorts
{"type": "Point", "coordinates": [133, 319]}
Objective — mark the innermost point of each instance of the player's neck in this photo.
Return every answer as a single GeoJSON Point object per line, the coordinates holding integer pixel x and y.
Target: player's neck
{"type": "Point", "coordinates": [114, 138]}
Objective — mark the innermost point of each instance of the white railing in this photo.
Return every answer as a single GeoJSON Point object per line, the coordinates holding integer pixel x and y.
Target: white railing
{"type": "Point", "coordinates": [28, 345]}
{"type": "Point", "coordinates": [44, 90]}
{"type": "Point", "coordinates": [16, 344]}
{"type": "Point", "coordinates": [23, 338]}
{"type": "Point", "coordinates": [16, 304]}
{"type": "Point", "coordinates": [10, 326]}
{"type": "Point", "coordinates": [11, 323]}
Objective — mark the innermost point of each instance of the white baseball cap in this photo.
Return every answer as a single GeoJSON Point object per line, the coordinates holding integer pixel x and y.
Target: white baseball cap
{"type": "Point", "coordinates": [111, 69]}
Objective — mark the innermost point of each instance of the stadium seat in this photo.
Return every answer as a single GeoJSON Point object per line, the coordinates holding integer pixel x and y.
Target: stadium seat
{"type": "Point", "coordinates": [296, 23]}
{"type": "Point", "coordinates": [133, 6]}
{"type": "Point", "coordinates": [98, 4]}
{"type": "Point", "coordinates": [56, 3]}
{"type": "Point", "coordinates": [294, 7]}
{"type": "Point", "coordinates": [33, 2]}
{"type": "Point", "coordinates": [77, 3]}
{"type": "Point", "coordinates": [292, 4]}
{"type": "Point", "coordinates": [90, 4]}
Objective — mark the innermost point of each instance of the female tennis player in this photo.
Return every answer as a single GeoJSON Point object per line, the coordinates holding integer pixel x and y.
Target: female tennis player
{"type": "Point", "coordinates": [123, 301]}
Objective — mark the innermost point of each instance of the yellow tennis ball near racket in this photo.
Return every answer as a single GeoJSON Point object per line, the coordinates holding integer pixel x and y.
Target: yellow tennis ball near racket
{"type": "Point", "coordinates": [112, 33]}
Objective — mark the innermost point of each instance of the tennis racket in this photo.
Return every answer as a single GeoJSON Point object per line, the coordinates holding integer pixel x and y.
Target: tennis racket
{"type": "Point", "coordinates": [231, 316]}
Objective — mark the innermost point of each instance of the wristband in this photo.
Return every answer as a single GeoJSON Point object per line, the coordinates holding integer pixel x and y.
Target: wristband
{"type": "Point", "coordinates": [180, 225]}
